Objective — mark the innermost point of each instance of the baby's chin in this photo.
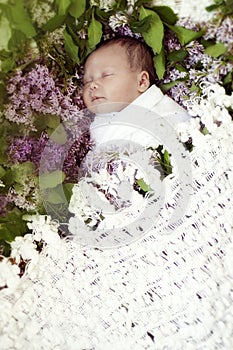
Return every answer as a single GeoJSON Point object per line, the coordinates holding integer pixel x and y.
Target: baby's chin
{"type": "Point", "coordinates": [107, 107]}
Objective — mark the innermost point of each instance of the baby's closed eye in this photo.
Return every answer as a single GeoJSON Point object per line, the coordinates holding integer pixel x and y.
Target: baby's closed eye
{"type": "Point", "coordinates": [90, 80]}
{"type": "Point", "coordinates": [87, 81]}
{"type": "Point", "coordinates": [107, 75]}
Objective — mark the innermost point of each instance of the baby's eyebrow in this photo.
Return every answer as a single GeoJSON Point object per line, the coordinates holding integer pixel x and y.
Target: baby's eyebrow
{"type": "Point", "coordinates": [86, 77]}
{"type": "Point", "coordinates": [86, 81]}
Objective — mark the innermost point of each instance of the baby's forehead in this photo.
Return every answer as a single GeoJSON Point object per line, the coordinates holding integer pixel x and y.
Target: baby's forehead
{"type": "Point", "coordinates": [115, 49]}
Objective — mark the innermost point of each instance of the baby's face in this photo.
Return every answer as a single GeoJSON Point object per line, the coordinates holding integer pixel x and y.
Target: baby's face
{"type": "Point", "coordinates": [109, 82]}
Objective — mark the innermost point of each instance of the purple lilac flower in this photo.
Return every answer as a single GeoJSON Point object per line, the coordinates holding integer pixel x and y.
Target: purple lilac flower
{"type": "Point", "coordinates": [4, 201]}
{"type": "Point", "coordinates": [35, 91]}
{"type": "Point", "coordinates": [179, 93]}
{"type": "Point", "coordinates": [52, 157]}
{"type": "Point", "coordinates": [188, 24]}
{"type": "Point", "coordinates": [171, 41]}
{"type": "Point", "coordinates": [41, 91]}
{"type": "Point", "coordinates": [126, 31]}
{"type": "Point", "coordinates": [222, 33]}
{"type": "Point", "coordinates": [76, 154]}
{"type": "Point", "coordinates": [24, 149]}
{"type": "Point", "coordinates": [196, 54]}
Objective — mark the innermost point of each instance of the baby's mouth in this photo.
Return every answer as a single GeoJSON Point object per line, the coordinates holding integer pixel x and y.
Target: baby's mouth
{"type": "Point", "coordinates": [96, 98]}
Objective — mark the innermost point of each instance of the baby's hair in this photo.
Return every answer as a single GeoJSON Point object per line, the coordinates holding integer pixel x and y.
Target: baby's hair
{"type": "Point", "coordinates": [140, 55]}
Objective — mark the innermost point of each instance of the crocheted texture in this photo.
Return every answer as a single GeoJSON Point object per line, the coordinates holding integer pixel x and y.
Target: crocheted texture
{"type": "Point", "coordinates": [172, 289]}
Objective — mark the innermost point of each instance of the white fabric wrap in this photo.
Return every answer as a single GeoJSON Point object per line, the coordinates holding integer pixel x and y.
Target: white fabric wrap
{"type": "Point", "coordinates": [168, 290]}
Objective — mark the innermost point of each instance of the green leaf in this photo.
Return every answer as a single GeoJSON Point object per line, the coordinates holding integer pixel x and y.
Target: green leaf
{"type": "Point", "coordinates": [228, 8]}
{"type": "Point", "coordinates": [185, 35]}
{"type": "Point", "coordinates": [12, 225]}
{"type": "Point", "coordinates": [216, 50]}
{"type": "Point", "coordinates": [159, 63]}
{"type": "Point", "coordinates": [141, 183]}
{"type": "Point", "coordinates": [62, 6]}
{"type": "Point", "coordinates": [120, 5]}
{"type": "Point", "coordinates": [22, 171]}
{"type": "Point", "coordinates": [58, 135]}
{"type": "Point", "coordinates": [212, 7]}
{"type": "Point", "coordinates": [141, 26]}
{"type": "Point", "coordinates": [205, 131]}
{"type": "Point", "coordinates": [5, 248]}
{"type": "Point", "coordinates": [53, 121]}
{"type": "Point", "coordinates": [164, 160]}
{"type": "Point", "coordinates": [17, 42]}
{"type": "Point", "coordinates": [166, 14]}
{"type": "Point", "coordinates": [60, 194]}
{"type": "Point", "coordinates": [54, 23]}
{"type": "Point", "coordinates": [7, 65]}
{"type": "Point", "coordinates": [52, 179]}
{"type": "Point", "coordinates": [2, 171]}
{"type": "Point", "coordinates": [8, 178]}
{"type": "Point", "coordinates": [41, 121]}
{"type": "Point", "coordinates": [228, 78]}
{"type": "Point", "coordinates": [154, 35]}
{"type": "Point", "coordinates": [70, 47]}
{"type": "Point", "coordinates": [177, 56]}
{"type": "Point", "coordinates": [167, 86]}
{"type": "Point", "coordinates": [20, 19]}
{"type": "Point", "coordinates": [94, 32]}
{"type": "Point", "coordinates": [55, 197]}
{"type": "Point", "coordinates": [68, 190]}
{"type": "Point", "coordinates": [5, 31]}
{"type": "Point", "coordinates": [166, 157]}
{"type": "Point", "coordinates": [77, 8]}
{"type": "Point", "coordinates": [101, 14]}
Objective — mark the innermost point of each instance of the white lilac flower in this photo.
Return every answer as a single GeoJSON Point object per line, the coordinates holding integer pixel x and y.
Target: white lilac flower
{"type": "Point", "coordinates": [41, 11]}
{"type": "Point", "coordinates": [210, 110]}
{"type": "Point", "coordinates": [23, 247]}
{"type": "Point", "coordinates": [9, 274]}
{"type": "Point", "coordinates": [105, 5]}
{"type": "Point", "coordinates": [21, 201]}
{"type": "Point", "coordinates": [44, 228]}
{"type": "Point", "coordinates": [131, 2]}
{"type": "Point", "coordinates": [182, 132]}
{"type": "Point", "coordinates": [107, 199]}
{"type": "Point", "coordinates": [80, 202]}
{"type": "Point", "coordinates": [56, 36]}
{"type": "Point", "coordinates": [117, 20]}
{"type": "Point", "coordinates": [82, 34]}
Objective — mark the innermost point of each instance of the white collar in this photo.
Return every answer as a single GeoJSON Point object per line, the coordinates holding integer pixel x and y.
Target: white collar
{"type": "Point", "coordinates": [148, 99]}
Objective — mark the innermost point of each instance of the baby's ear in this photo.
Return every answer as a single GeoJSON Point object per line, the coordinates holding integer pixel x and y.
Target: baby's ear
{"type": "Point", "coordinates": [143, 81]}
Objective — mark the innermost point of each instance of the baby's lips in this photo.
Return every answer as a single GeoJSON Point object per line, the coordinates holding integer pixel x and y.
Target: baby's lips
{"type": "Point", "coordinates": [94, 98]}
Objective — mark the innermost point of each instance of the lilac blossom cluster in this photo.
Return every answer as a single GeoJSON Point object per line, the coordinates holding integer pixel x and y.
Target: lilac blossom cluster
{"type": "Point", "coordinates": [222, 33]}
{"type": "Point", "coordinates": [68, 156]}
{"type": "Point", "coordinates": [125, 30]}
{"type": "Point", "coordinates": [23, 149]}
{"type": "Point", "coordinates": [38, 92]}
{"type": "Point", "coordinates": [34, 91]}
{"type": "Point", "coordinates": [75, 155]}
{"type": "Point", "coordinates": [199, 67]}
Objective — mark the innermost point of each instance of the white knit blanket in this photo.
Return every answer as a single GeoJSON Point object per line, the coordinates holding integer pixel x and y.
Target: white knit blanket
{"type": "Point", "coordinates": [170, 289]}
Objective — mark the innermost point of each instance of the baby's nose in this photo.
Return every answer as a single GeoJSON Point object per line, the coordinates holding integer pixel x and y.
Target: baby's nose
{"type": "Point", "coordinates": [94, 85]}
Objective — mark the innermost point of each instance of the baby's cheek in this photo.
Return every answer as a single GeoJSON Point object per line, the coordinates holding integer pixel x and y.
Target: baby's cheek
{"type": "Point", "coordinates": [85, 98]}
